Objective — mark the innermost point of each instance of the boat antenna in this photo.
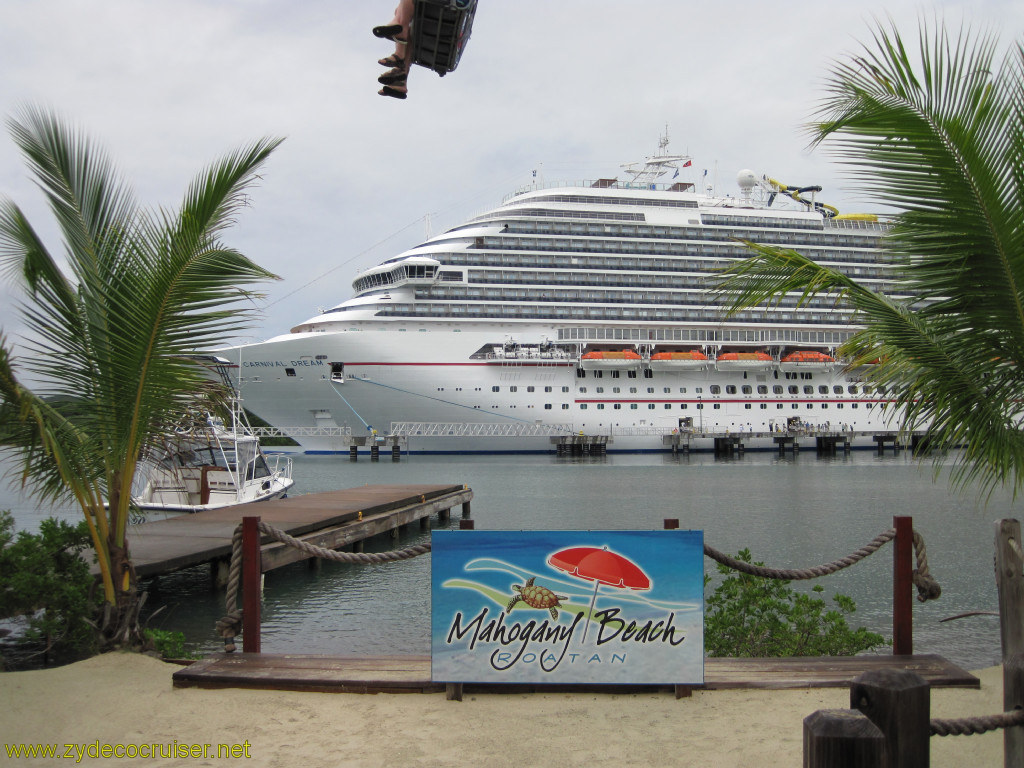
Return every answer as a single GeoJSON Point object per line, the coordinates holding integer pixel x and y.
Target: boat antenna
{"type": "Point", "coordinates": [645, 173]}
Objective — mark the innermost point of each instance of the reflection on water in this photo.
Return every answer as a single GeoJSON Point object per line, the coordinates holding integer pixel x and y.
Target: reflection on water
{"type": "Point", "coordinates": [791, 511]}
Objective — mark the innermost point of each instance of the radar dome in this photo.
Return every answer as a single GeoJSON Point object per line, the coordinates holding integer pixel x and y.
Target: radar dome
{"type": "Point", "coordinates": [746, 179]}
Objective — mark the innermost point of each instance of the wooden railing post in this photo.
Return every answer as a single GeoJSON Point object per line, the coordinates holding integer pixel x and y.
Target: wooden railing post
{"type": "Point", "coordinates": [841, 738]}
{"type": "Point", "coordinates": [1010, 581]}
{"type": "Point", "coordinates": [251, 575]}
{"type": "Point", "coordinates": [903, 587]}
{"type": "Point", "coordinates": [898, 701]}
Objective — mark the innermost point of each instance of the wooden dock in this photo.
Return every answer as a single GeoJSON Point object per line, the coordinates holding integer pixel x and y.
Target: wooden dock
{"type": "Point", "coordinates": [333, 519]}
{"type": "Point", "coordinates": [411, 674]}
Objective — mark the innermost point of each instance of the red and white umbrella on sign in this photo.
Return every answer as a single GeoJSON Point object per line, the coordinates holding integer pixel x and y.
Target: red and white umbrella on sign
{"type": "Point", "coordinates": [602, 566]}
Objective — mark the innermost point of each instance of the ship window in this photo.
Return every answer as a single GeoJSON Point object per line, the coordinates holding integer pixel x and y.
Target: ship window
{"type": "Point", "coordinates": [599, 374]}
{"type": "Point", "coordinates": [777, 389]}
{"type": "Point", "coordinates": [808, 389]}
{"type": "Point", "coordinates": [730, 389]}
{"type": "Point", "coordinates": [599, 389]}
{"type": "Point", "coordinates": [565, 389]}
{"type": "Point", "coordinates": [715, 389]}
{"type": "Point", "coordinates": [582, 390]}
{"type": "Point", "coordinates": [546, 389]}
{"type": "Point", "coordinates": [837, 390]}
{"type": "Point", "coordinates": [762, 389]}
{"type": "Point", "coordinates": [822, 390]}
{"type": "Point", "coordinates": [794, 389]}
{"type": "Point", "coordinates": [600, 406]}
{"type": "Point", "coordinates": [852, 389]}
{"type": "Point", "coordinates": [668, 406]}
{"type": "Point", "coordinates": [746, 406]}
{"type": "Point", "coordinates": [615, 374]}
{"type": "Point", "coordinates": [289, 371]}
{"type": "Point", "coordinates": [682, 390]}
{"type": "Point", "coordinates": [530, 389]}
{"type": "Point", "coordinates": [495, 389]}
{"type": "Point", "coordinates": [764, 406]}
{"type": "Point", "coordinates": [580, 373]}
{"type": "Point", "coordinates": [583, 406]}
{"type": "Point", "coordinates": [667, 390]}
{"type": "Point", "coordinates": [779, 405]}
{"type": "Point", "coordinates": [700, 406]}
{"type": "Point", "coordinates": [616, 390]}
{"type": "Point", "coordinates": [650, 406]}
{"type": "Point", "coordinates": [617, 406]}
{"type": "Point", "coordinates": [565, 406]}
{"type": "Point", "coordinates": [853, 405]}
{"type": "Point", "coordinates": [513, 388]}
{"type": "Point", "coordinates": [547, 406]}
{"type": "Point", "coordinates": [795, 406]}
{"type": "Point", "coordinates": [631, 374]}
{"type": "Point", "coordinates": [717, 406]}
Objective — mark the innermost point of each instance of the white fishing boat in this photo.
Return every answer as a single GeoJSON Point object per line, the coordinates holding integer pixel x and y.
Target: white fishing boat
{"type": "Point", "coordinates": [208, 465]}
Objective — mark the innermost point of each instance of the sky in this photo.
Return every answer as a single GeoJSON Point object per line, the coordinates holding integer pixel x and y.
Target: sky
{"type": "Point", "coordinates": [570, 89]}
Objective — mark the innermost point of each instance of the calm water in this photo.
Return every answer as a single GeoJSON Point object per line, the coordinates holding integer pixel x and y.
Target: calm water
{"type": "Point", "coordinates": [790, 511]}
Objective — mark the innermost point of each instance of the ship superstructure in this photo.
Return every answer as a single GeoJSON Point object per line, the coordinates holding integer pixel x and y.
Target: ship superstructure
{"type": "Point", "coordinates": [581, 308]}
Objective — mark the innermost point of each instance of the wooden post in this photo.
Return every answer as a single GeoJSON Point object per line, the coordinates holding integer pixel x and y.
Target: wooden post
{"type": "Point", "coordinates": [841, 738]}
{"type": "Point", "coordinates": [898, 701]}
{"type": "Point", "coordinates": [453, 691]}
{"type": "Point", "coordinates": [251, 573]}
{"type": "Point", "coordinates": [1010, 582]}
{"type": "Point", "coordinates": [671, 523]}
{"type": "Point", "coordinates": [903, 587]}
{"type": "Point", "coordinates": [466, 525]}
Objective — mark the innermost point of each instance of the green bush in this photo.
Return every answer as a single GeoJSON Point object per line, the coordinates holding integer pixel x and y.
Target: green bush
{"type": "Point", "coordinates": [753, 616]}
{"type": "Point", "coordinates": [169, 644]}
{"type": "Point", "coordinates": [44, 578]}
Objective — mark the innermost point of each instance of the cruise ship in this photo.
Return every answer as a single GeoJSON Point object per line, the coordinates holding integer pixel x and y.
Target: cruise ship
{"type": "Point", "coordinates": [582, 309]}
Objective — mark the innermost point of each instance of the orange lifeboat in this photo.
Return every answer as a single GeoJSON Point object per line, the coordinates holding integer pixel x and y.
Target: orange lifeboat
{"type": "Point", "coordinates": [744, 359]}
{"type": "Point", "coordinates": [606, 359]}
{"type": "Point", "coordinates": [672, 361]}
{"type": "Point", "coordinates": [806, 358]}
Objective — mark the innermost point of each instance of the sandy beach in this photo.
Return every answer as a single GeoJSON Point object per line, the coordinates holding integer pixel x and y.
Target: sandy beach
{"type": "Point", "coordinates": [128, 699]}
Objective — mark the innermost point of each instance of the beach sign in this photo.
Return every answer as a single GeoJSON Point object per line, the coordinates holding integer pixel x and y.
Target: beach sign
{"type": "Point", "coordinates": [614, 607]}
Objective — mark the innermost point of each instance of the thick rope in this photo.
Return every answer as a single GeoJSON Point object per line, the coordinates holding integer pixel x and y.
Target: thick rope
{"type": "Point", "coordinates": [968, 726]}
{"type": "Point", "coordinates": [927, 587]}
{"type": "Point", "coordinates": [343, 557]}
{"type": "Point", "coordinates": [230, 625]}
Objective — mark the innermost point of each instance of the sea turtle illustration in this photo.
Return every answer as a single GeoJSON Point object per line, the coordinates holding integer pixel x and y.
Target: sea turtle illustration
{"type": "Point", "coordinates": [536, 596]}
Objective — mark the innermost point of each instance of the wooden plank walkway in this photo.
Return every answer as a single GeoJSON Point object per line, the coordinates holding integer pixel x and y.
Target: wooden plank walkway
{"type": "Point", "coordinates": [334, 519]}
{"type": "Point", "coordinates": [411, 674]}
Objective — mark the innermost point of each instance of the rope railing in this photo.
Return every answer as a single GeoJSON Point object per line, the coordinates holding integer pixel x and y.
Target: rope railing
{"type": "Point", "coordinates": [969, 726]}
{"type": "Point", "coordinates": [230, 625]}
{"type": "Point", "coordinates": [927, 587]}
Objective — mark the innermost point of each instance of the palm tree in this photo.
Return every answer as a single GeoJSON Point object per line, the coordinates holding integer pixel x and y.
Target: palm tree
{"type": "Point", "coordinates": [938, 136]}
{"type": "Point", "coordinates": [112, 326]}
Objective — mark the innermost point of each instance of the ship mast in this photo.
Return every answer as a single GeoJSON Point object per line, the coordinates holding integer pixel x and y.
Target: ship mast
{"type": "Point", "coordinates": [655, 166]}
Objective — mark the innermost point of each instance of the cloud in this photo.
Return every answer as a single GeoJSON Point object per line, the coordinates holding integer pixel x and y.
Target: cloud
{"type": "Point", "coordinates": [572, 88]}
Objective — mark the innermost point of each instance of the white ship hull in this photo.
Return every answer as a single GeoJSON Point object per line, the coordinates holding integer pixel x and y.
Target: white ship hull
{"type": "Point", "coordinates": [454, 404]}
